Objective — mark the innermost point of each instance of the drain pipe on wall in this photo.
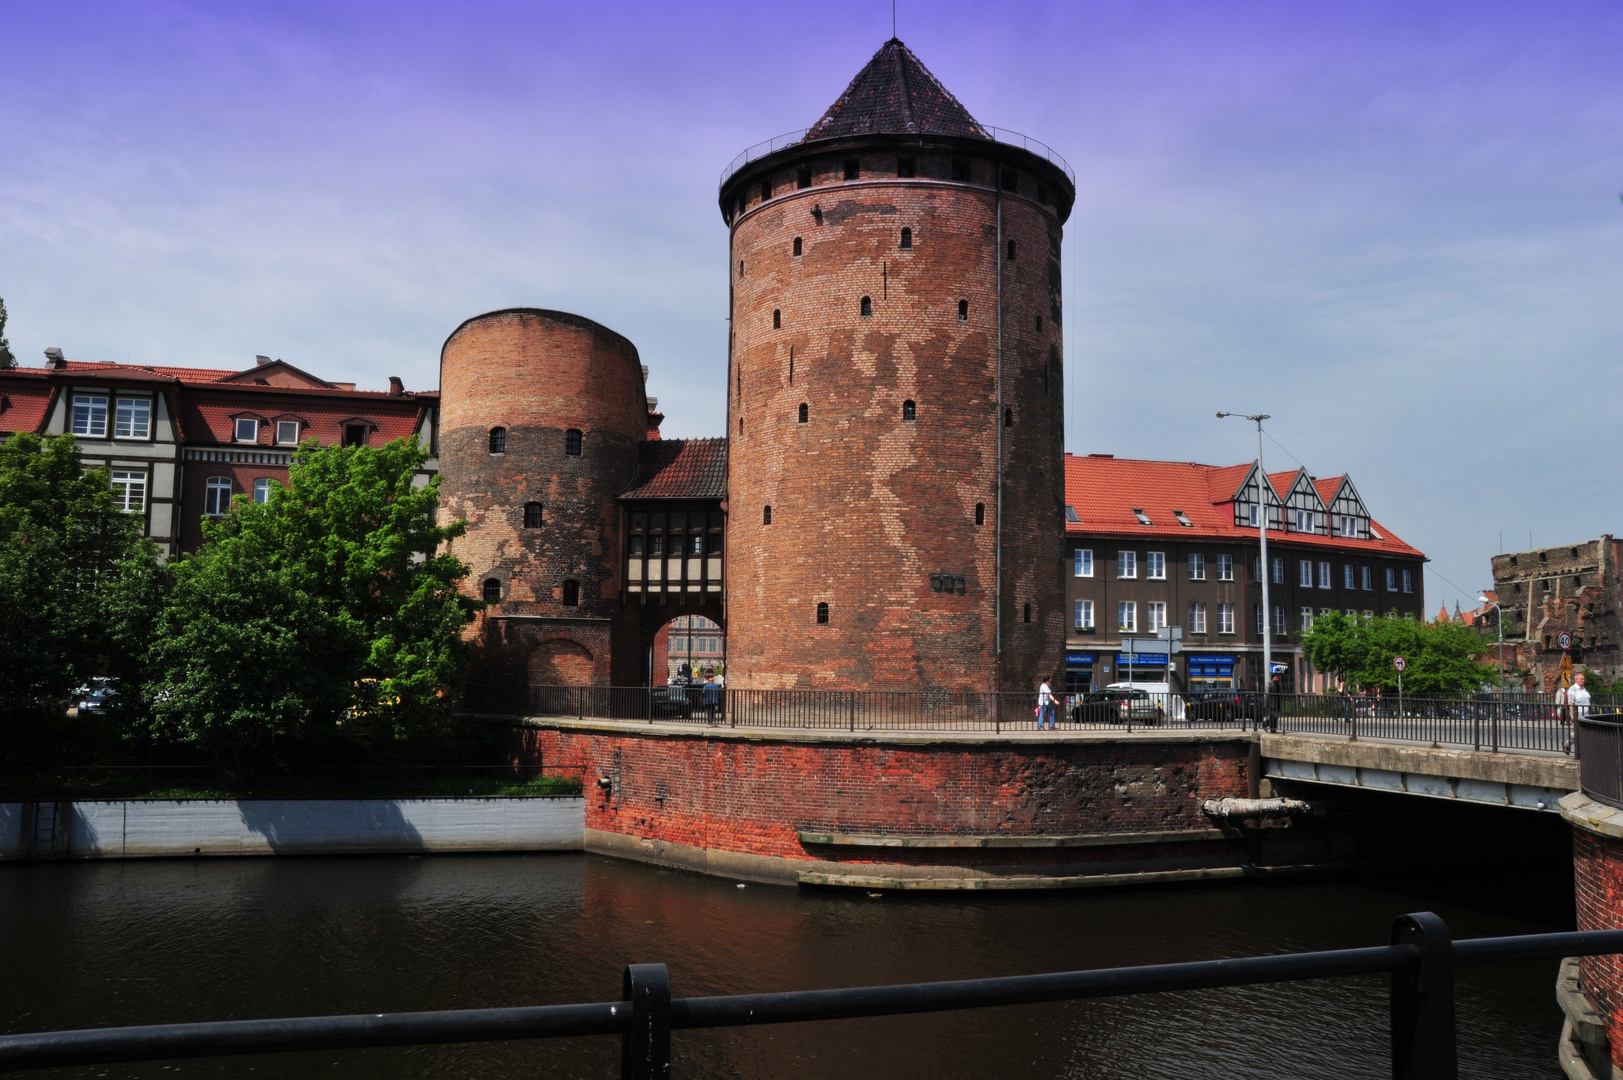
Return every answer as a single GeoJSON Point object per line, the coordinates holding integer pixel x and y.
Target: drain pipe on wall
{"type": "Point", "coordinates": [997, 421]}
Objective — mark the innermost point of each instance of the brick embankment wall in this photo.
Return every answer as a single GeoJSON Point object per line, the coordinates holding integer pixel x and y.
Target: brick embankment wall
{"type": "Point", "coordinates": [1597, 864]}
{"type": "Point", "coordinates": [741, 806]}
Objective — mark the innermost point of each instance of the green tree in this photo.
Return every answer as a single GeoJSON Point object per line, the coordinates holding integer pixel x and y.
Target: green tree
{"type": "Point", "coordinates": [328, 604]}
{"type": "Point", "coordinates": [67, 554]}
{"type": "Point", "coordinates": [7, 360]}
{"type": "Point", "coordinates": [1443, 658]}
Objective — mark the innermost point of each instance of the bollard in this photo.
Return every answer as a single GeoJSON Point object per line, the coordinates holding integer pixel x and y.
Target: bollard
{"type": "Point", "coordinates": [645, 1048]}
{"type": "Point", "coordinates": [1423, 1035]}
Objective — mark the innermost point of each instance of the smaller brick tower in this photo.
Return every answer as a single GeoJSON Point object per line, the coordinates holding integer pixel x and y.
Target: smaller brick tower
{"type": "Point", "coordinates": [542, 416]}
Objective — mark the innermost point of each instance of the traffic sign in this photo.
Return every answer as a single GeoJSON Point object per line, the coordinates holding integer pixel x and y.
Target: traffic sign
{"type": "Point", "coordinates": [1400, 663]}
{"type": "Point", "coordinates": [1566, 671]}
{"type": "Point", "coordinates": [1564, 640]}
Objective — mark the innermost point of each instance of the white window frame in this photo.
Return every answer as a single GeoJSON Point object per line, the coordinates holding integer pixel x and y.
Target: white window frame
{"type": "Point", "coordinates": [129, 489]}
{"type": "Point", "coordinates": [1197, 566]}
{"type": "Point", "coordinates": [1304, 573]}
{"type": "Point", "coordinates": [1324, 575]}
{"type": "Point", "coordinates": [1307, 619]}
{"type": "Point", "coordinates": [1391, 579]}
{"type": "Point", "coordinates": [1225, 568]}
{"type": "Point", "coordinates": [1304, 520]}
{"type": "Point", "coordinates": [1279, 571]}
{"type": "Point", "coordinates": [236, 429]}
{"type": "Point", "coordinates": [1155, 615]}
{"type": "Point", "coordinates": [1155, 566]}
{"type": "Point", "coordinates": [1408, 581]}
{"type": "Point", "coordinates": [94, 416]}
{"type": "Point", "coordinates": [262, 489]}
{"type": "Point", "coordinates": [1368, 579]}
{"type": "Point", "coordinates": [1197, 617]}
{"type": "Point", "coordinates": [1127, 616]}
{"type": "Point", "coordinates": [1126, 565]}
{"type": "Point", "coordinates": [1279, 620]}
{"type": "Point", "coordinates": [217, 494]}
{"type": "Point", "coordinates": [1225, 618]}
{"type": "Point", "coordinates": [1349, 577]}
{"type": "Point", "coordinates": [283, 424]}
{"type": "Point", "coordinates": [141, 405]}
{"type": "Point", "coordinates": [1258, 619]}
{"type": "Point", "coordinates": [1254, 516]}
{"type": "Point", "coordinates": [1084, 614]}
{"type": "Point", "coordinates": [1084, 562]}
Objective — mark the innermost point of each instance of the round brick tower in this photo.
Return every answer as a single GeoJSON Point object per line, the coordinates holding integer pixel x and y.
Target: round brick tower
{"type": "Point", "coordinates": [895, 398]}
{"type": "Point", "coordinates": [541, 416]}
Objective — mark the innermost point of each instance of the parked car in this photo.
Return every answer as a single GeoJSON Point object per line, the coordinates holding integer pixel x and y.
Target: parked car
{"type": "Point", "coordinates": [1224, 706]}
{"type": "Point", "coordinates": [96, 696]}
{"type": "Point", "coordinates": [677, 699]}
{"type": "Point", "coordinates": [1117, 705]}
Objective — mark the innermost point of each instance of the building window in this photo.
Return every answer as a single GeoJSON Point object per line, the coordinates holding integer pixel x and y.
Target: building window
{"type": "Point", "coordinates": [133, 419]}
{"type": "Point", "coordinates": [909, 411]}
{"type": "Point", "coordinates": [492, 590]}
{"type": "Point", "coordinates": [822, 614]}
{"type": "Point", "coordinates": [960, 170]}
{"type": "Point", "coordinates": [498, 440]}
{"type": "Point", "coordinates": [1304, 576]}
{"type": "Point", "coordinates": [904, 168]}
{"type": "Point", "coordinates": [571, 592]}
{"type": "Point", "coordinates": [1155, 566]}
{"type": "Point", "coordinates": [963, 311]}
{"type": "Point", "coordinates": [130, 491]}
{"type": "Point", "coordinates": [1324, 575]}
{"type": "Point", "coordinates": [1408, 581]}
{"type": "Point", "coordinates": [245, 429]}
{"type": "Point", "coordinates": [797, 246]}
{"type": "Point", "coordinates": [1084, 614]}
{"type": "Point", "coordinates": [853, 169]}
{"type": "Point", "coordinates": [1197, 566]}
{"type": "Point", "coordinates": [355, 434]}
{"type": "Point", "coordinates": [534, 515]}
{"type": "Point", "coordinates": [1011, 251]}
{"type": "Point", "coordinates": [1279, 620]}
{"type": "Point", "coordinates": [980, 513]}
{"type": "Point", "coordinates": [1304, 521]}
{"type": "Point", "coordinates": [262, 490]}
{"type": "Point", "coordinates": [1253, 517]}
{"type": "Point", "coordinates": [805, 412]}
{"type": "Point", "coordinates": [1143, 518]}
{"type": "Point", "coordinates": [1256, 619]}
{"type": "Point", "coordinates": [287, 432]}
{"type": "Point", "coordinates": [572, 441]}
{"type": "Point", "coordinates": [1279, 571]}
{"type": "Point", "coordinates": [1126, 564]}
{"type": "Point", "coordinates": [803, 181]}
{"type": "Point", "coordinates": [1348, 581]}
{"type": "Point", "coordinates": [217, 496]}
{"type": "Point", "coordinates": [90, 415]}
{"type": "Point", "coordinates": [1084, 562]}
{"type": "Point", "coordinates": [1307, 619]}
{"type": "Point", "coordinates": [1391, 580]}
{"type": "Point", "coordinates": [1026, 617]}
{"type": "Point", "coordinates": [1011, 180]}
{"type": "Point", "coordinates": [867, 306]}
{"type": "Point", "coordinates": [907, 238]}
{"type": "Point", "coordinates": [1225, 618]}
{"type": "Point", "coordinates": [1225, 568]}
{"type": "Point", "coordinates": [1197, 618]}
{"type": "Point", "coordinates": [1157, 615]}
{"type": "Point", "coordinates": [1367, 579]}
{"type": "Point", "coordinates": [766, 190]}
{"type": "Point", "coordinates": [1008, 418]}
{"type": "Point", "coordinates": [777, 319]}
{"type": "Point", "coordinates": [1127, 616]}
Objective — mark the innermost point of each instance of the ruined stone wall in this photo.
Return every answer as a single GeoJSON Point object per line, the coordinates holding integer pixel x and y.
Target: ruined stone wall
{"type": "Point", "coordinates": [866, 504]}
{"type": "Point", "coordinates": [1571, 588]}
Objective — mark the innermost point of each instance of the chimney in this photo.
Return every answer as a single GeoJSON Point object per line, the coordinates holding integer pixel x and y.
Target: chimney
{"type": "Point", "coordinates": [396, 387]}
{"type": "Point", "coordinates": [55, 359]}
{"type": "Point", "coordinates": [261, 361]}
{"type": "Point", "coordinates": [653, 404]}
{"type": "Point", "coordinates": [645, 373]}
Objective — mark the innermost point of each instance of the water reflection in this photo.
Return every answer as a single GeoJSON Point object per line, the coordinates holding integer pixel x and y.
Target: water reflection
{"type": "Point", "coordinates": [143, 942]}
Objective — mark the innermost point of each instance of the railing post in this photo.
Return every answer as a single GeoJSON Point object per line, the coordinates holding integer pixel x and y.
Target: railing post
{"type": "Point", "coordinates": [1423, 1036]}
{"type": "Point", "coordinates": [1476, 726]}
{"type": "Point", "coordinates": [645, 1049]}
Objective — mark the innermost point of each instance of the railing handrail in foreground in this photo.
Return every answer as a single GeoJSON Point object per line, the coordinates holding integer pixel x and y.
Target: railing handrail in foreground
{"type": "Point", "coordinates": [1600, 748]}
{"type": "Point", "coordinates": [1421, 958]}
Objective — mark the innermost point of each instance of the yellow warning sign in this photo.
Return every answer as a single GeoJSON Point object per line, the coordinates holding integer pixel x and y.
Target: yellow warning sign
{"type": "Point", "coordinates": [1566, 670]}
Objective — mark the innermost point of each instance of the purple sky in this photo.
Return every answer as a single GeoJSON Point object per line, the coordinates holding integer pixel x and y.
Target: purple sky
{"type": "Point", "coordinates": [1396, 227]}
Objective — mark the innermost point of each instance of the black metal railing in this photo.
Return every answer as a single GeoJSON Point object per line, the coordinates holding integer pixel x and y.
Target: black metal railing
{"type": "Point", "coordinates": [1420, 957]}
{"type": "Point", "coordinates": [1492, 723]}
{"type": "Point", "coordinates": [1600, 743]}
{"type": "Point", "coordinates": [92, 782]}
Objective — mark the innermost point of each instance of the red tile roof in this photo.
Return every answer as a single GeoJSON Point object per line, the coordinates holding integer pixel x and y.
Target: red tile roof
{"type": "Point", "coordinates": [24, 405]}
{"type": "Point", "coordinates": [680, 469]}
{"type": "Point", "coordinates": [207, 416]}
{"type": "Point", "coordinates": [895, 92]}
{"type": "Point", "coordinates": [1104, 491]}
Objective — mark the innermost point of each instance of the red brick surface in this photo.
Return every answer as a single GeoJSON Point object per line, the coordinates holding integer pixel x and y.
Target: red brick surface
{"type": "Point", "coordinates": [753, 797]}
{"type": "Point", "coordinates": [1597, 865]}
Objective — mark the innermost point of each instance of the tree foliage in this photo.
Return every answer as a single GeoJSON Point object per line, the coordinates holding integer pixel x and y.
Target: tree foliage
{"type": "Point", "coordinates": [1443, 658]}
{"type": "Point", "coordinates": [326, 605]}
{"type": "Point", "coordinates": [70, 561]}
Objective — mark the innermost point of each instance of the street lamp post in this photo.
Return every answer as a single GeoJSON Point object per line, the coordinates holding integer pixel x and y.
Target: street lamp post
{"type": "Point", "coordinates": [1499, 621]}
{"type": "Point", "coordinates": [1262, 566]}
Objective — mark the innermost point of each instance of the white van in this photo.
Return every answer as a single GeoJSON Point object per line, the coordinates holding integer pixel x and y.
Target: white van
{"type": "Point", "coordinates": [1172, 704]}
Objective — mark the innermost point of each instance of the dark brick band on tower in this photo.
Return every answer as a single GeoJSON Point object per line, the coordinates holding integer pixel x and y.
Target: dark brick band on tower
{"type": "Point", "coordinates": [877, 265]}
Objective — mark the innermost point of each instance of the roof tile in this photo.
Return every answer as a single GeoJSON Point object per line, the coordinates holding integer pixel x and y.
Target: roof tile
{"type": "Point", "coordinates": [895, 92]}
{"type": "Point", "coordinates": [680, 469]}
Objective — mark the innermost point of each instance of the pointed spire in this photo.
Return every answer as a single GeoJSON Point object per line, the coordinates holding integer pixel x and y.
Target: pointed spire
{"type": "Point", "coordinates": [895, 93]}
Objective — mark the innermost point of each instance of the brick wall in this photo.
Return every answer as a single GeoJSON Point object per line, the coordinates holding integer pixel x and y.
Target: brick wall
{"type": "Point", "coordinates": [867, 505]}
{"type": "Point", "coordinates": [753, 796]}
{"type": "Point", "coordinates": [1597, 863]}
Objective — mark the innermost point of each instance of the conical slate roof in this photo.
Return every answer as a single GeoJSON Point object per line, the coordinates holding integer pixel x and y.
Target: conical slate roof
{"type": "Point", "coordinates": [895, 92]}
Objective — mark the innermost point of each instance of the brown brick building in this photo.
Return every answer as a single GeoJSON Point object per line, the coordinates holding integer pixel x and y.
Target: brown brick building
{"type": "Point", "coordinates": [1572, 588]}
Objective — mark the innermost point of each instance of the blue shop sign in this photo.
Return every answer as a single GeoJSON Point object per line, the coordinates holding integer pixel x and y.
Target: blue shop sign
{"type": "Point", "coordinates": [1142, 659]}
{"type": "Point", "coordinates": [1211, 659]}
{"type": "Point", "coordinates": [1079, 658]}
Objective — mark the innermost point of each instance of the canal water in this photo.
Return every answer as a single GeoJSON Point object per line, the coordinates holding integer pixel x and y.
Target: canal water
{"type": "Point", "coordinates": [90, 944]}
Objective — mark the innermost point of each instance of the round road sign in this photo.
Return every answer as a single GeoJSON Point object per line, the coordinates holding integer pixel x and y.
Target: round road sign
{"type": "Point", "coordinates": [1400, 663]}
{"type": "Point", "coordinates": [1564, 640]}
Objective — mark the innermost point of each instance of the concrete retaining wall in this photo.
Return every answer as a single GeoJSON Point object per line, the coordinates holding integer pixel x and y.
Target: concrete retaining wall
{"type": "Point", "coordinates": [161, 827]}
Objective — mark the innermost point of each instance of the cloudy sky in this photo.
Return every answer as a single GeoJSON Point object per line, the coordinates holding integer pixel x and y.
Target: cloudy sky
{"type": "Point", "coordinates": [1396, 227]}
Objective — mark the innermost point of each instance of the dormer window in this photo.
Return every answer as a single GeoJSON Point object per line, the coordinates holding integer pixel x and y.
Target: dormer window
{"type": "Point", "coordinates": [1143, 518]}
{"type": "Point", "coordinates": [1071, 515]}
{"type": "Point", "coordinates": [1183, 519]}
{"type": "Point", "coordinates": [245, 429]}
{"type": "Point", "coordinates": [355, 434]}
{"type": "Point", "coordinates": [1254, 515]}
{"type": "Point", "coordinates": [287, 433]}
{"type": "Point", "coordinates": [1304, 521]}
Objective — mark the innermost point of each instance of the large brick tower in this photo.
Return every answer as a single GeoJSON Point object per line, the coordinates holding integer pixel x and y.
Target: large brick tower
{"type": "Point", "coordinates": [541, 418]}
{"type": "Point", "coordinates": [895, 411]}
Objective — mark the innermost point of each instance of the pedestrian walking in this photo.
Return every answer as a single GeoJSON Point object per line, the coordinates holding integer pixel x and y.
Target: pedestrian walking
{"type": "Point", "coordinates": [711, 698]}
{"type": "Point", "coordinates": [1272, 723]}
{"type": "Point", "coordinates": [1045, 705]}
{"type": "Point", "coordinates": [1574, 701]}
